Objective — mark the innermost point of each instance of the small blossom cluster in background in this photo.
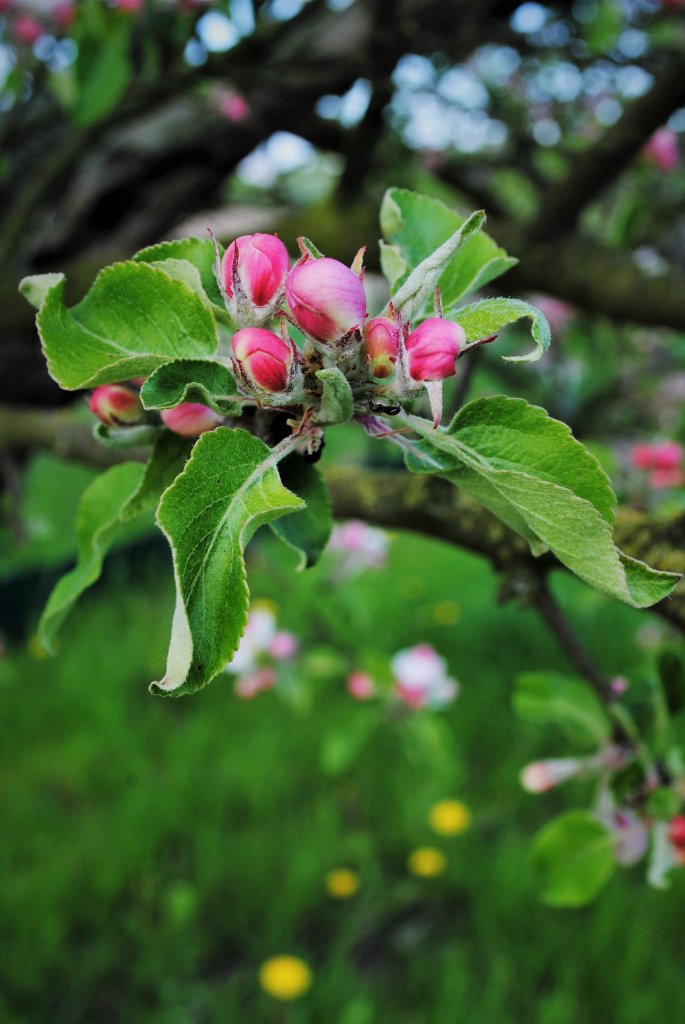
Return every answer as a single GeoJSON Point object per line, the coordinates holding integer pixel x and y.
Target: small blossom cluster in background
{"type": "Point", "coordinates": [662, 150]}
{"type": "Point", "coordinates": [420, 680]}
{"type": "Point", "coordinates": [357, 547]}
{"type": "Point", "coordinates": [662, 461]}
{"type": "Point", "coordinates": [263, 650]}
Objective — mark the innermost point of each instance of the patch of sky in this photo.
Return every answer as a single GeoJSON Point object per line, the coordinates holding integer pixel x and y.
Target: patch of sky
{"type": "Point", "coordinates": [280, 154]}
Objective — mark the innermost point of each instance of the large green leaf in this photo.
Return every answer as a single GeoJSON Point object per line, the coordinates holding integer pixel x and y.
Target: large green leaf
{"type": "Point", "coordinates": [481, 319]}
{"type": "Point", "coordinates": [229, 487]}
{"type": "Point", "coordinates": [414, 226]}
{"type": "Point", "coordinates": [309, 530]}
{"type": "Point", "coordinates": [98, 521]}
{"type": "Point", "coordinates": [573, 856]}
{"type": "Point", "coordinates": [531, 472]}
{"type": "Point", "coordinates": [191, 380]}
{"type": "Point", "coordinates": [134, 318]}
{"type": "Point", "coordinates": [198, 251]}
{"type": "Point", "coordinates": [415, 293]}
{"type": "Point", "coordinates": [550, 697]}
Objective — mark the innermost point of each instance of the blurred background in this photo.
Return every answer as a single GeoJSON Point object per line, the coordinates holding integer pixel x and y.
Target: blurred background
{"type": "Point", "coordinates": [156, 854]}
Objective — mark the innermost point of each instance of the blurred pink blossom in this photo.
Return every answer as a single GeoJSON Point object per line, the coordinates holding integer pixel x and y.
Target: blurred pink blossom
{"type": "Point", "coordinates": [252, 684]}
{"type": "Point", "coordinates": [27, 29]}
{"type": "Point", "coordinates": [421, 678]}
{"type": "Point", "coordinates": [541, 776]}
{"type": "Point", "coordinates": [557, 313]}
{"type": "Point", "coordinates": [361, 686]}
{"type": "Point", "coordinates": [619, 685]}
{"type": "Point", "coordinates": [663, 460]}
{"type": "Point", "coordinates": [234, 107]}
{"type": "Point", "coordinates": [283, 645]}
{"type": "Point", "coordinates": [359, 546]}
{"type": "Point", "coordinates": [662, 149]}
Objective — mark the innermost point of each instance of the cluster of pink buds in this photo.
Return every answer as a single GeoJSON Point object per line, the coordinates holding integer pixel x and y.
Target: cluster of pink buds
{"type": "Point", "coordinates": [263, 649]}
{"type": "Point", "coordinates": [119, 405]}
{"type": "Point", "coordinates": [663, 461]}
{"type": "Point", "coordinates": [382, 358]}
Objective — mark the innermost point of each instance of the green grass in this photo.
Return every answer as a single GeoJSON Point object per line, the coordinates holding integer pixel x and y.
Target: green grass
{"type": "Point", "coordinates": [155, 852]}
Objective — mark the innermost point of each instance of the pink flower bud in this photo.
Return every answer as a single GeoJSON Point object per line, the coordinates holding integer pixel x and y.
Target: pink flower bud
{"type": "Point", "coordinates": [432, 349]}
{"type": "Point", "coordinates": [249, 686]}
{"type": "Point", "coordinates": [27, 29]}
{"type": "Point", "coordinates": [642, 456]}
{"type": "Point", "coordinates": [261, 267]}
{"type": "Point", "coordinates": [234, 107]}
{"type": "Point", "coordinates": [540, 776]}
{"type": "Point", "coordinates": [361, 686]}
{"type": "Point", "coordinates": [326, 299]}
{"type": "Point", "coordinates": [381, 340]}
{"type": "Point", "coordinates": [190, 419]}
{"type": "Point", "coordinates": [65, 14]}
{"type": "Point", "coordinates": [116, 405]}
{"type": "Point", "coordinates": [662, 150]}
{"type": "Point", "coordinates": [264, 359]}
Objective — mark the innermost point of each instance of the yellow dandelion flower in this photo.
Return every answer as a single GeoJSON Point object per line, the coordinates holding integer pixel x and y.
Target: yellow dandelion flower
{"type": "Point", "coordinates": [285, 977]}
{"type": "Point", "coordinates": [341, 883]}
{"type": "Point", "coordinates": [449, 817]}
{"type": "Point", "coordinates": [446, 613]}
{"type": "Point", "coordinates": [426, 862]}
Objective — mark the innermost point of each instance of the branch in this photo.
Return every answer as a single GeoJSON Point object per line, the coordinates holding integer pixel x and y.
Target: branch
{"type": "Point", "coordinates": [593, 169]}
{"type": "Point", "coordinates": [394, 500]}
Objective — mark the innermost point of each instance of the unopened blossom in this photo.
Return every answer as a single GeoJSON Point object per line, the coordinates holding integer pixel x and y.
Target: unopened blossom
{"type": "Point", "coordinates": [255, 265]}
{"type": "Point", "coordinates": [190, 419]}
{"type": "Point", "coordinates": [541, 776]}
{"type": "Point", "coordinates": [433, 348]}
{"type": "Point", "coordinates": [421, 678]}
{"type": "Point", "coordinates": [263, 359]}
{"type": "Point", "coordinates": [381, 345]}
{"type": "Point", "coordinates": [326, 299]}
{"type": "Point", "coordinates": [116, 405]}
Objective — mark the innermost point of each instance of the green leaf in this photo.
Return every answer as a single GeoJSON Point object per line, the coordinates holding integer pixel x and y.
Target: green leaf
{"type": "Point", "coordinates": [309, 530]}
{"type": "Point", "coordinates": [416, 225]}
{"type": "Point", "coordinates": [98, 520]}
{"type": "Point", "coordinates": [531, 472]}
{"type": "Point", "coordinates": [229, 488]}
{"type": "Point", "coordinates": [197, 251]}
{"type": "Point", "coordinates": [102, 72]}
{"type": "Point", "coordinates": [122, 438]}
{"type": "Point", "coordinates": [191, 380]}
{"type": "Point", "coordinates": [337, 400]}
{"type": "Point", "coordinates": [167, 460]}
{"type": "Point", "coordinates": [481, 319]}
{"type": "Point", "coordinates": [311, 248]}
{"type": "Point", "coordinates": [573, 856]}
{"type": "Point", "coordinates": [134, 318]}
{"type": "Point", "coordinates": [549, 697]}
{"type": "Point", "coordinates": [36, 287]}
{"type": "Point", "coordinates": [414, 294]}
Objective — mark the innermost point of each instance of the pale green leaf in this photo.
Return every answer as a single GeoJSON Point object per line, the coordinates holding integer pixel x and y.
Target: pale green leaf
{"type": "Point", "coordinates": [573, 857]}
{"type": "Point", "coordinates": [531, 472]}
{"type": "Point", "coordinates": [197, 251]}
{"type": "Point", "coordinates": [191, 380]}
{"type": "Point", "coordinates": [229, 488]}
{"type": "Point", "coordinates": [416, 225]}
{"type": "Point", "coordinates": [134, 318]}
{"type": "Point", "coordinates": [139, 435]}
{"type": "Point", "coordinates": [413, 295]}
{"type": "Point", "coordinates": [481, 319]}
{"type": "Point", "coordinates": [337, 400]}
{"type": "Point", "coordinates": [97, 523]}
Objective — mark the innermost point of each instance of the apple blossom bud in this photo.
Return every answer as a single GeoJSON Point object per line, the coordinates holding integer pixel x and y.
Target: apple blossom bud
{"type": "Point", "coordinates": [381, 341]}
{"type": "Point", "coordinates": [116, 405]}
{"type": "Point", "coordinates": [662, 149]}
{"type": "Point", "coordinates": [539, 776]}
{"type": "Point", "coordinates": [432, 349]}
{"type": "Point", "coordinates": [264, 360]}
{"type": "Point", "coordinates": [260, 267]}
{"type": "Point", "coordinates": [326, 299]}
{"type": "Point", "coordinates": [190, 419]}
